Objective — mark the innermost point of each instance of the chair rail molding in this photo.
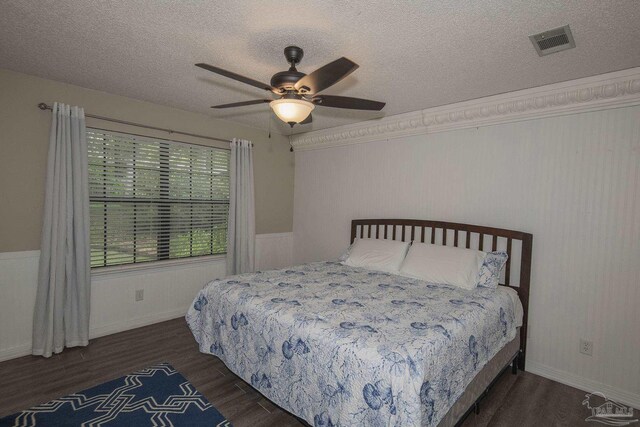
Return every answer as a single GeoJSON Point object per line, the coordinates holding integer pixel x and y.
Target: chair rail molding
{"type": "Point", "coordinates": [612, 90]}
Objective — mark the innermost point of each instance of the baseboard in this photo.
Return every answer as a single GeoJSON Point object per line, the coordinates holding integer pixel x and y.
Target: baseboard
{"type": "Point", "coordinates": [588, 385]}
{"type": "Point", "coordinates": [14, 352]}
{"type": "Point", "coordinates": [113, 328]}
{"type": "Point", "coordinates": [139, 322]}
{"type": "Point", "coordinates": [573, 380]}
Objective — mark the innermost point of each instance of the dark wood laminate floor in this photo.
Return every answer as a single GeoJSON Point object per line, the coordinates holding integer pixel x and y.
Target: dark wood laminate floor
{"type": "Point", "coordinates": [522, 400]}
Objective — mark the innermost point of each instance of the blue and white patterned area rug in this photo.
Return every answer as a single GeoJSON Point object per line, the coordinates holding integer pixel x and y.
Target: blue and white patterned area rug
{"type": "Point", "coordinates": [155, 396]}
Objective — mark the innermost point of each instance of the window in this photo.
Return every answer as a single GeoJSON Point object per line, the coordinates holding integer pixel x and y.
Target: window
{"type": "Point", "coordinates": [154, 199]}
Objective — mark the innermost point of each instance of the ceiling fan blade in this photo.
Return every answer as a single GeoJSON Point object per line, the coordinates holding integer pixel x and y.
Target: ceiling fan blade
{"type": "Point", "coordinates": [306, 121]}
{"type": "Point", "coordinates": [347, 102]}
{"type": "Point", "coordinates": [326, 76]}
{"type": "Point", "coordinates": [242, 104]}
{"type": "Point", "coordinates": [237, 77]}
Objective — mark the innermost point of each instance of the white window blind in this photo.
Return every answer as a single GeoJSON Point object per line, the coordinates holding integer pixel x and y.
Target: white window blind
{"type": "Point", "coordinates": [154, 199]}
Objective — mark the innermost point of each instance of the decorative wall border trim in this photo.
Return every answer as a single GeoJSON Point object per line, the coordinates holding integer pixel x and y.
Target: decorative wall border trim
{"type": "Point", "coordinates": [269, 236]}
{"type": "Point", "coordinates": [611, 90]}
{"type": "Point", "coordinates": [19, 255]}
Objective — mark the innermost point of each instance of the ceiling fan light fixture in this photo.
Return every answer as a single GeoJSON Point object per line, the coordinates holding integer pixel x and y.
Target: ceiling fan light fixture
{"type": "Point", "coordinates": [292, 110]}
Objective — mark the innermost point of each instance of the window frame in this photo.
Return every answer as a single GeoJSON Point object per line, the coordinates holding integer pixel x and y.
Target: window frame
{"type": "Point", "coordinates": [163, 254]}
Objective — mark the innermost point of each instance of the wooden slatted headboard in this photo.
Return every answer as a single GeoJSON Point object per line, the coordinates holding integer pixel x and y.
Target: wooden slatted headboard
{"type": "Point", "coordinates": [467, 236]}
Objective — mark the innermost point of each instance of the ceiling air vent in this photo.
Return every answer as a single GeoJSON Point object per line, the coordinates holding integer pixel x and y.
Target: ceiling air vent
{"type": "Point", "coordinates": [553, 41]}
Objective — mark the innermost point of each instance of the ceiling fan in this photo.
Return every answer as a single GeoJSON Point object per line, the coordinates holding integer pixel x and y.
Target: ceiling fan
{"type": "Point", "coordinates": [299, 92]}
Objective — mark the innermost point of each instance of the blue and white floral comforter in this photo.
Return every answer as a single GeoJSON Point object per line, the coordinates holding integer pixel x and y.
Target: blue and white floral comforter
{"type": "Point", "coordinates": [344, 346]}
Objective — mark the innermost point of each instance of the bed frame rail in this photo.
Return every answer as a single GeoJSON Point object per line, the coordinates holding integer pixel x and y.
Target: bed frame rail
{"type": "Point", "coordinates": [516, 243]}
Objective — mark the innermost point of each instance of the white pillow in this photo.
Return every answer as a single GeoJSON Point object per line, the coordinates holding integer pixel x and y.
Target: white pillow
{"type": "Point", "coordinates": [377, 254]}
{"type": "Point", "coordinates": [443, 264]}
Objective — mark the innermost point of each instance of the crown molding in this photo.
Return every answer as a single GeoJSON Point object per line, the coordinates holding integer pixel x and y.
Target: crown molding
{"type": "Point", "coordinates": [611, 90]}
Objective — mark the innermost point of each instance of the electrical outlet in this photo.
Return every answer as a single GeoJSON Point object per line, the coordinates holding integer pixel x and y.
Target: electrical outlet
{"type": "Point", "coordinates": [139, 295]}
{"type": "Point", "coordinates": [586, 347]}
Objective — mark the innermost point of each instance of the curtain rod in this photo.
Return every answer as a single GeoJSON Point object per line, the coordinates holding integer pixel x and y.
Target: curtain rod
{"type": "Point", "coordinates": [44, 106]}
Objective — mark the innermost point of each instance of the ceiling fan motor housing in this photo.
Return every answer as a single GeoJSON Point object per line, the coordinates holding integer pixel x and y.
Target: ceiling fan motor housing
{"type": "Point", "coordinates": [285, 80]}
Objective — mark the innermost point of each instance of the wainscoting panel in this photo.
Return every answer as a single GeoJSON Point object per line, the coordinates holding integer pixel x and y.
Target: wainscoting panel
{"type": "Point", "coordinates": [168, 291]}
{"type": "Point", "coordinates": [571, 181]}
{"type": "Point", "coordinates": [18, 284]}
{"type": "Point", "coordinates": [274, 250]}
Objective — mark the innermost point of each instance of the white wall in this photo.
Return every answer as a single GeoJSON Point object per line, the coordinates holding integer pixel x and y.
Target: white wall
{"type": "Point", "coordinates": [273, 250]}
{"type": "Point", "coordinates": [168, 291]}
{"type": "Point", "coordinates": [572, 181]}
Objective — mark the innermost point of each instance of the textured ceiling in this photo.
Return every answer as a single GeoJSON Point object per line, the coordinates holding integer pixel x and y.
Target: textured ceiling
{"type": "Point", "coordinates": [412, 54]}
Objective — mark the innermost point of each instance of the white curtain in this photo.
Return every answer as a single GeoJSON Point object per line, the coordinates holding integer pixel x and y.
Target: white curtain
{"type": "Point", "coordinates": [242, 229]}
{"type": "Point", "coordinates": [61, 316]}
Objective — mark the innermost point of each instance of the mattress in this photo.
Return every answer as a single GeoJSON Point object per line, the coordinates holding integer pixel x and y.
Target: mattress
{"type": "Point", "coordinates": [480, 382]}
{"type": "Point", "coordinates": [338, 345]}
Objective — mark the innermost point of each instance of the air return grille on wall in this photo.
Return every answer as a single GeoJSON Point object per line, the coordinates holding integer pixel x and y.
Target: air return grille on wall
{"type": "Point", "coordinates": [553, 41]}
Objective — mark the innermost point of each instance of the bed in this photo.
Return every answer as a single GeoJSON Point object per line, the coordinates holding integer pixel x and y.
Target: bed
{"type": "Point", "coordinates": [339, 345]}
